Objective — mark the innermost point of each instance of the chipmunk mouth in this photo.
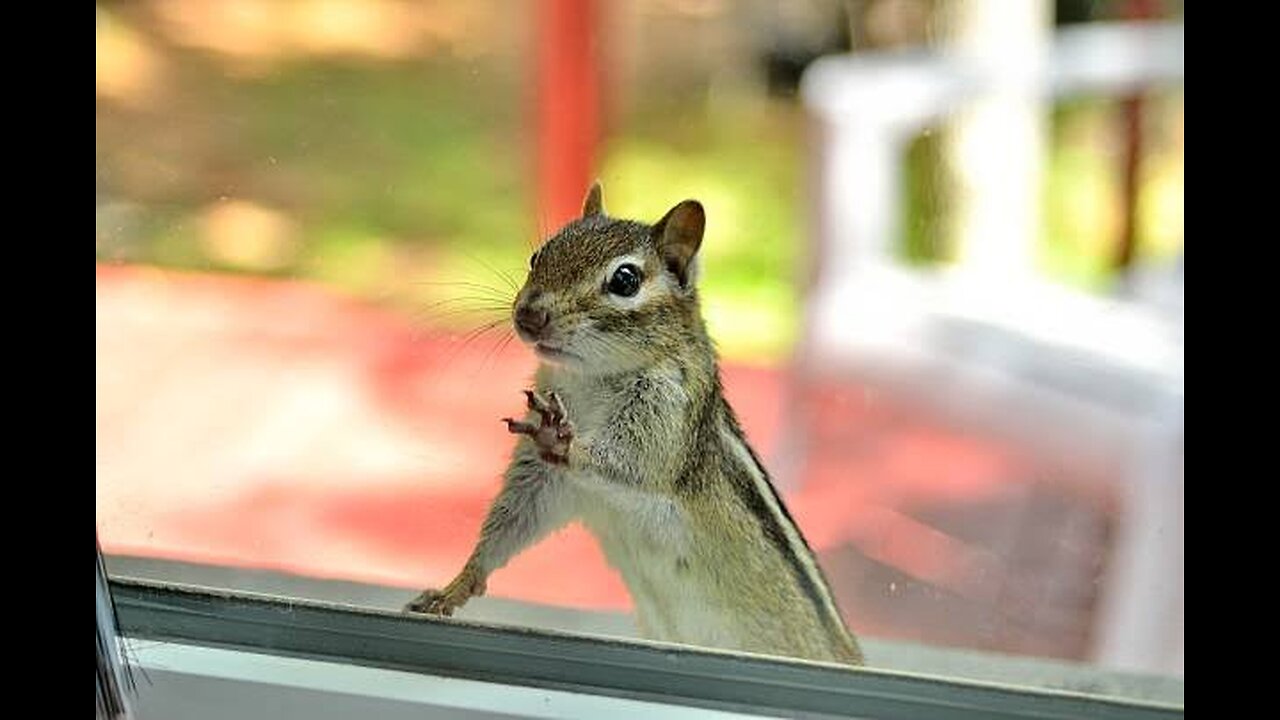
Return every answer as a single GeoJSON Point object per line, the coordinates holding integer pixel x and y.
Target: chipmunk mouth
{"type": "Point", "coordinates": [554, 353]}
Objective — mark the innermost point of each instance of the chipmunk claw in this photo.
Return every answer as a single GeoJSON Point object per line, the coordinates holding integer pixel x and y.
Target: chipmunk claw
{"type": "Point", "coordinates": [552, 434]}
{"type": "Point", "coordinates": [536, 403]}
{"type": "Point", "coordinates": [430, 602]}
{"type": "Point", "coordinates": [469, 583]}
{"type": "Point", "coordinates": [557, 407]}
{"type": "Point", "coordinates": [517, 427]}
{"type": "Point", "coordinates": [552, 407]}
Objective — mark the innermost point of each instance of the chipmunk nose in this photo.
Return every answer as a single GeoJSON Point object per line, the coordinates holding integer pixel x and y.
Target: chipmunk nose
{"type": "Point", "coordinates": [531, 322]}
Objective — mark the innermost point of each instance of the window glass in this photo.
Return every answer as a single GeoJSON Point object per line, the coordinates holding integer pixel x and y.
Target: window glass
{"type": "Point", "coordinates": [942, 268]}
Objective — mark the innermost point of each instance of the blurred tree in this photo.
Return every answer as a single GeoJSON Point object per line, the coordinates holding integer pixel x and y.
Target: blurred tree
{"type": "Point", "coordinates": [1131, 118]}
{"type": "Point", "coordinates": [791, 35]}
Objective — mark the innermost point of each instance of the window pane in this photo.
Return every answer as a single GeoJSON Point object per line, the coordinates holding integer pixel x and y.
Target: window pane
{"type": "Point", "coordinates": [947, 308]}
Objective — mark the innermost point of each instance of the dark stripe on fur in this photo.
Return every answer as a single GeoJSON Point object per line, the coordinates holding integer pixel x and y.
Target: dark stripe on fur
{"type": "Point", "coordinates": [769, 524]}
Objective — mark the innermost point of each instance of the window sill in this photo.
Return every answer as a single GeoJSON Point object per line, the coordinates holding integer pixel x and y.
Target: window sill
{"type": "Point", "coordinates": [359, 639]}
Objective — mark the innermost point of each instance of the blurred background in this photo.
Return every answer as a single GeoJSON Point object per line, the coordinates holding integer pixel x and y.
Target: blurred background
{"type": "Point", "coordinates": [943, 265]}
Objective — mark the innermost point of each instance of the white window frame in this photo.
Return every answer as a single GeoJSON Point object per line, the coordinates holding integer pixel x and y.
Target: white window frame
{"type": "Point", "coordinates": [336, 649]}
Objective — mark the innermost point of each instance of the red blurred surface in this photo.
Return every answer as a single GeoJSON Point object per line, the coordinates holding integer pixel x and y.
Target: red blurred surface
{"type": "Point", "coordinates": [277, 425]}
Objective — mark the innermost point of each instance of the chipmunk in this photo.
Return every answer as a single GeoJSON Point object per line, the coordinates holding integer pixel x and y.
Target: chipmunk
{"type": "Point", "coordinates": [628, 431]}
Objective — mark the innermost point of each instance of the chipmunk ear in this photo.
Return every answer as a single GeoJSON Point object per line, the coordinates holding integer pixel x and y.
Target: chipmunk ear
{"type": "Point", "coordinates": [594, 202]}
{"type": "Point", "coordinates": [677, 237]}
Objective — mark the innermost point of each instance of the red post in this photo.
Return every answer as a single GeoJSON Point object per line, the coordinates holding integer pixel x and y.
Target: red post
{"type": "Point", "coordinates": [568, 101]}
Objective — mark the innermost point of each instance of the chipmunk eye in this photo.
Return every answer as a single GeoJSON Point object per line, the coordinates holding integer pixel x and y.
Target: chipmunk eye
{"type": "Point", "coordinates": [533, 259]}
{"type": "Point", "coordinates": [625, 281]}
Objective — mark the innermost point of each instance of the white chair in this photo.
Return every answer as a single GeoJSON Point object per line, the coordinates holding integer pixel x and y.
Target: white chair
{"type": "Point", "coordinates": [1047, 367]}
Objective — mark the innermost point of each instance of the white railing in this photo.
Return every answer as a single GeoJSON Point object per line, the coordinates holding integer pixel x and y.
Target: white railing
{"type": "Point", "coordinates": [1064, 372]}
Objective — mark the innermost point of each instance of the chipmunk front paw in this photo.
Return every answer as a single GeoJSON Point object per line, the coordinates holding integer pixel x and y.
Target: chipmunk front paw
{"type": "Point", "coordinates": [443, 602]}
{"type": "Point", "coordinates": [432, 602]}
{"type": "Point", "coordinates": [553, 434]}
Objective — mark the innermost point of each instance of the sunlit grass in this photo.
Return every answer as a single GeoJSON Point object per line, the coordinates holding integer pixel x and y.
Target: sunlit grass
{"type": "Point", "coordinates": [274, 30]}
{"type": "Point", "coordinates": [128, 67]}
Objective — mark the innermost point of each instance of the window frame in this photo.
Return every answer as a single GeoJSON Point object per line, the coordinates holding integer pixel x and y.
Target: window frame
{"type": "Point", "coordinates": [674, 675]}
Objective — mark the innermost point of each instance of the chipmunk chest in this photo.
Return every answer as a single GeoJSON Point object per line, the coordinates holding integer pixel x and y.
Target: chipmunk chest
{"type": "Point", "coordinates": [652, 542]}
{"type": "Point", "coordinates": [639, 409]}
{"type": "Point", "coordinates": [644, 535]}
{"type": "Point", "coordinates": [589, 411]}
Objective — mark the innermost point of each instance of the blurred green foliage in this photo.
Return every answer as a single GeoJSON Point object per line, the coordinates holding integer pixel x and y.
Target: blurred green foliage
{"type": "Point", "coordinates": [1082, 197]}
{"type": "Point", "coordinates": [395, 176]}
{"type": "Point", "coordinates": [402, 178]}
{"type": "Point", "coordinates": [743, 163]}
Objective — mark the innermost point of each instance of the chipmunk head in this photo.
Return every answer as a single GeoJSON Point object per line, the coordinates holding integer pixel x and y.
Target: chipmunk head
{"type": "Point", "coordinates": [605, 295]}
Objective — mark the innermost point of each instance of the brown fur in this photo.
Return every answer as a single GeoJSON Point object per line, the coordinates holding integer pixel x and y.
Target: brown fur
{"type": "Point", "coordinates": [656, 467]}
